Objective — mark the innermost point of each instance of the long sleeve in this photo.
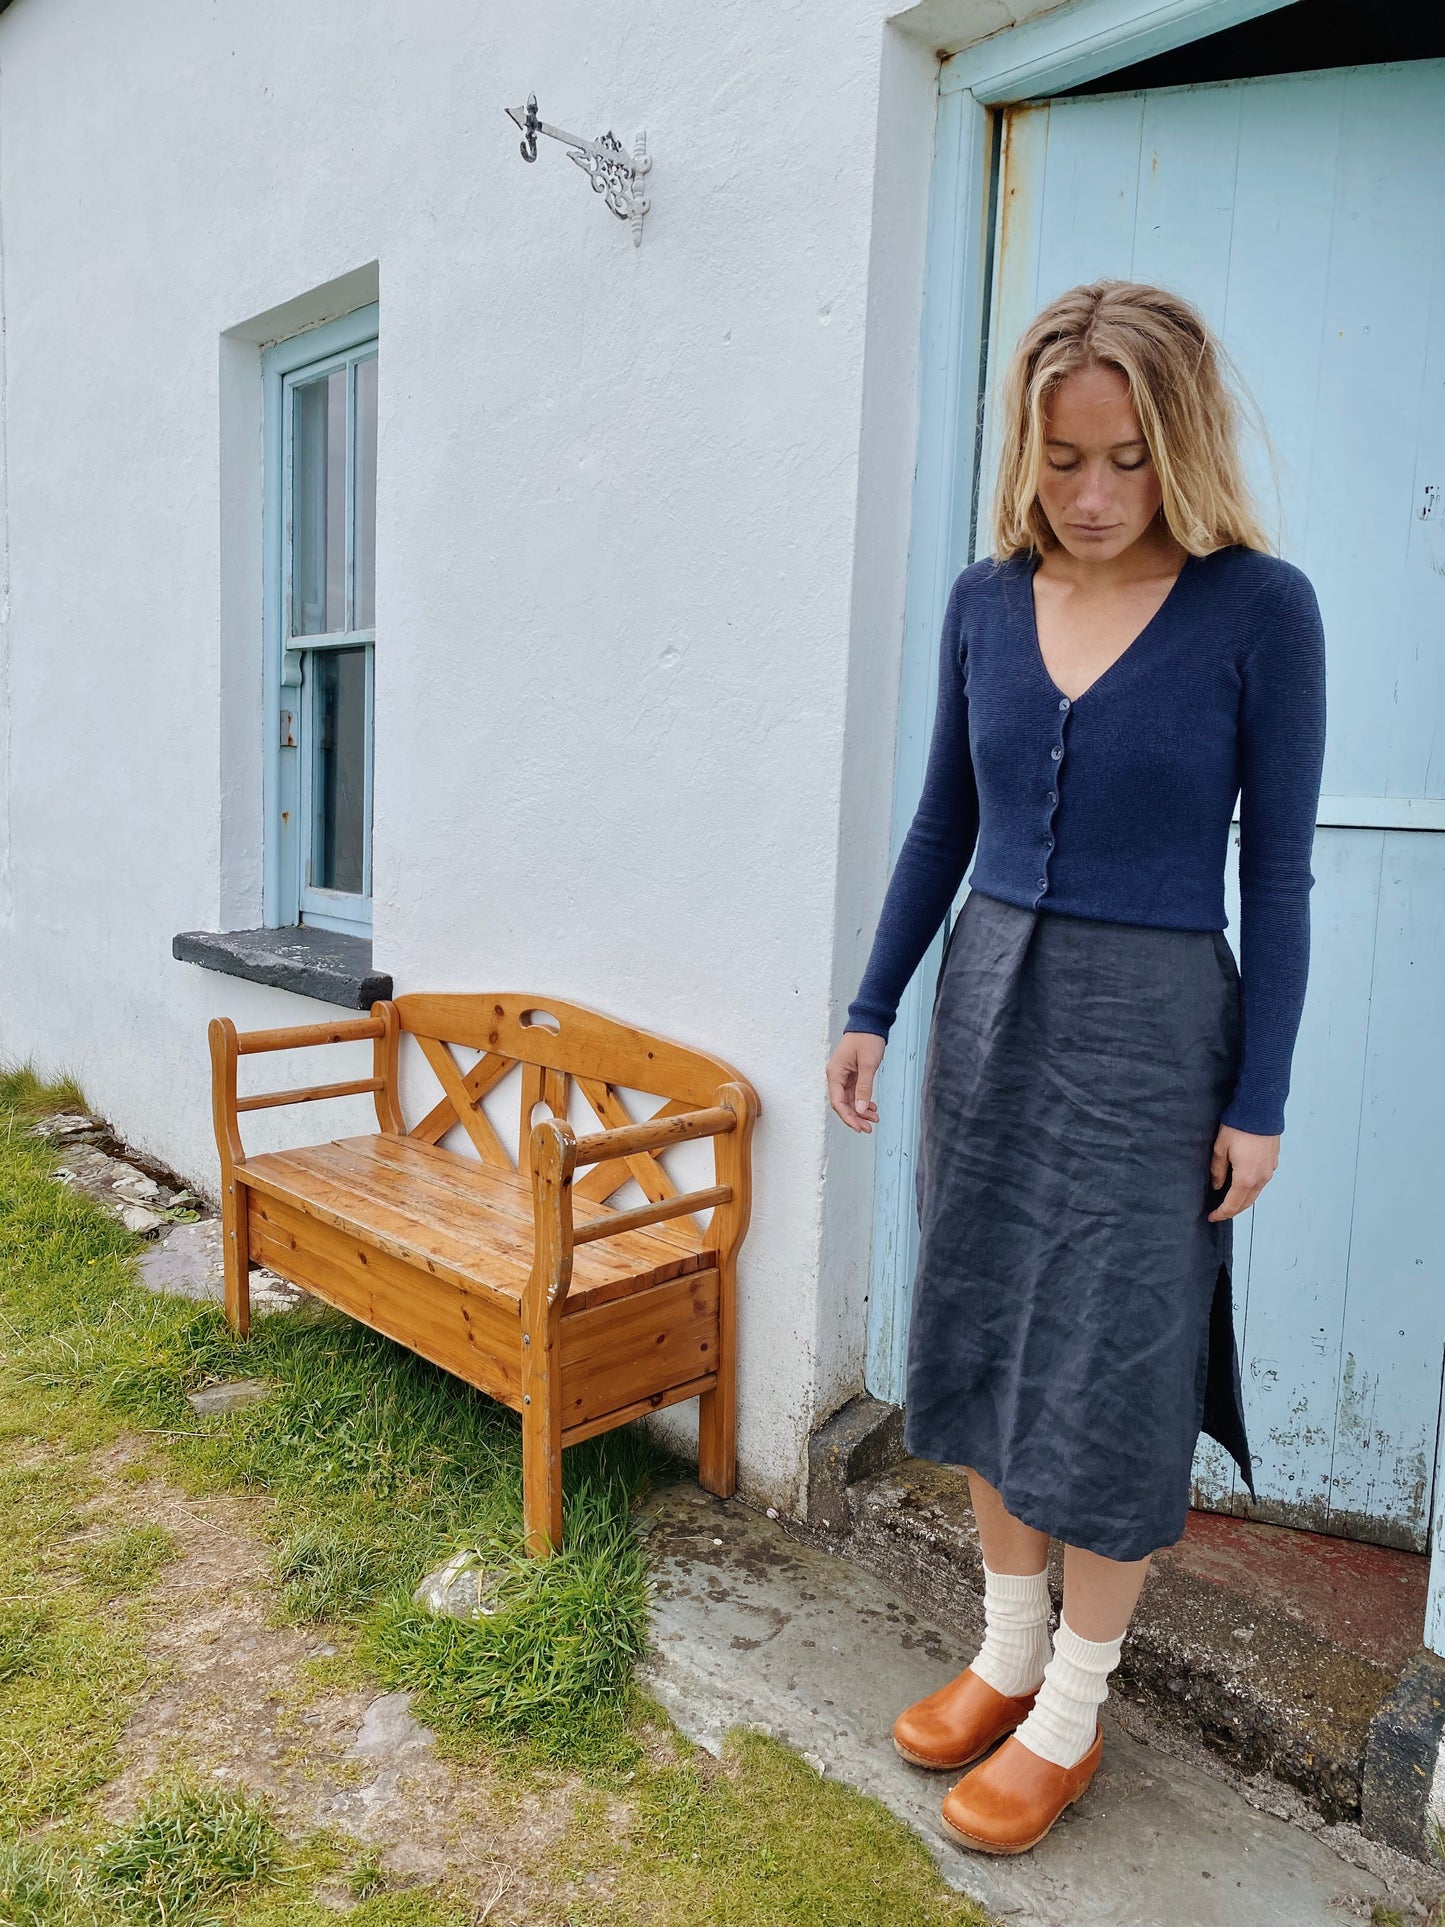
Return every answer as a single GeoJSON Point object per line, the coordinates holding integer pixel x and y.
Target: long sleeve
{"type": "Point", "coordinates": [1281, 750]}
{"type": "Point", "coordinates": [937, 848]}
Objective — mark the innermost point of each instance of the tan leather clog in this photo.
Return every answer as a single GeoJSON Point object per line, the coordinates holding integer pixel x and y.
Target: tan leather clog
{"type": "Point", "coordinates": [958, 1723]}
{"type": "Point", "coordinates": [1010, 1800]}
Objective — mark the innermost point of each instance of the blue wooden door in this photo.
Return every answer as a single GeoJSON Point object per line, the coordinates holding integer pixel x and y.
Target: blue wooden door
{"type": "Point", "coordinates": [1304, 215]}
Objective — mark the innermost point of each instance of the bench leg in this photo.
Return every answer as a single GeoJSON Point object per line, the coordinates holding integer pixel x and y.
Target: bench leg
{"type": "Point", "coordinates": [542, 1474]}
{"type": "Point", "coordinates": [717, 1465]}
{"type": "Point", "coordinates": [717, 1410]}
{"type": "Point", "coordinates": [237, 1256]}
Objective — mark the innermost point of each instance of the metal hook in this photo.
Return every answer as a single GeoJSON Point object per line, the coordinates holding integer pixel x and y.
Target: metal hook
{"type": "Point", "coordinates": [529, 141]}
{"type": "Point", "coordinates": [614, 173]}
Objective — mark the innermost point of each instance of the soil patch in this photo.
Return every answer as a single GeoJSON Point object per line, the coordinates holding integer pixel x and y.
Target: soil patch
{"type": "Point", "coordinates": [243, 1700]}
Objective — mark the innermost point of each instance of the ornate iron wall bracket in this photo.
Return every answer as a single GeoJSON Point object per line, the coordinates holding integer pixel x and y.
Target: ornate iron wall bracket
{"type": "Point", "coordinates": [614, 173]}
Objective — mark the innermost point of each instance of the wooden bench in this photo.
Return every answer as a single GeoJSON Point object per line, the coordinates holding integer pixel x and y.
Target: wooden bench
{"type": "Point", "coordinates": [515, 1273]}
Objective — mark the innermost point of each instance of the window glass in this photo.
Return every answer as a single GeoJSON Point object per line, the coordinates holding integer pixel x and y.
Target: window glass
{"type": "Point", "coordinates": [318, 506]}
{"type": "Point", "coordinates": [320, 516]}
{"type": "Point", "coordinates": [365, 592]}
{"type": "Point", "coordinates": [338, 720]}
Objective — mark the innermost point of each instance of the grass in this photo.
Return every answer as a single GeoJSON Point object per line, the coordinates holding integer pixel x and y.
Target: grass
{"type": "Point", "coordinates": [705, 1848]}
{"type": "Point", "coordinates": [381, 1466]}
{"type": "Point", "coordinates": [377, 1468]}
{"type": "Point", "coordinates": [191, 1850]}
{"type": "Point", "coordinates": [70, 1654]}
{"type": "Point", "coordinates": [129, 1560]}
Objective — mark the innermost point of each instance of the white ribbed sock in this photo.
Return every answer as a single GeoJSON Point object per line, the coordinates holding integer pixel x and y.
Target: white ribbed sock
{"type": "Point", "coordinates": [1015, 1647]}
{"type": "Point", "coordinates": [1060, 1727]}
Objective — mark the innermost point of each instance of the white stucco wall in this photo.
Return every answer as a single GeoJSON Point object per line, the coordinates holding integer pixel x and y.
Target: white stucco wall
{"type": "Point", "coordinates": [641, 515]}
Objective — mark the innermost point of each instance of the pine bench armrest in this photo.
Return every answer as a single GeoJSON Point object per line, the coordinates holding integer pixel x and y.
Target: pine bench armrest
{"type": "Point", "coordinates": [557, 1152]}
{"type": "Point", "coordinates": [228, 1045]}
{"type": "Point", "coordinates": [627, 1139]}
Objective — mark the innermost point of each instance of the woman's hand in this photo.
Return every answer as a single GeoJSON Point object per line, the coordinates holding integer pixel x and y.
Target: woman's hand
{"type": "Point", "coordinates": [1248, 1161]}
{"type": "Point", "coordinates": [851, 1071]}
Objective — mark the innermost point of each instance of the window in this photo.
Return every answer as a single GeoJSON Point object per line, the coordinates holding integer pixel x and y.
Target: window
{"type": "Point", "coordinates": [321, 395]}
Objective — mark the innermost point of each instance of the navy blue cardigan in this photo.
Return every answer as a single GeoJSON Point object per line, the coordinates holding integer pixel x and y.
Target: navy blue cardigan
{"type": "Point", "coordinates": [1117, 805]}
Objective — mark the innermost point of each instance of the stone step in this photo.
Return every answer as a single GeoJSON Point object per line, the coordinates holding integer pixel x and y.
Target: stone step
{"type": "Point", "coordinates": [1231, 1658]}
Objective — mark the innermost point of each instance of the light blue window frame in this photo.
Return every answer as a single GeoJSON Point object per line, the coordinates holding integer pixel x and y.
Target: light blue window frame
{"type": "Point", "coordinates": [289, 678]}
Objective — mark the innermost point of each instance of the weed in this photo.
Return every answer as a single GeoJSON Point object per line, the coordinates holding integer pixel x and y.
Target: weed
{"type": "Point", "coordinates": [129, 1560]}
{"type": "Point", "coordinates": [69, 1660]}
{"type": "Point", "coordinates": [378, 1466]}
{"type": "Point", "coordinates": [189, 1852]}
{"type": "Point", "coordinates": [22, 1638]}
{"type": "Point", "coordinates": [40, 1888]}
{"type": "Point", "coordinates": [412, 1907]}
{"type": "Point", "coordinates": [367, 1878]}
{"type": "Point", "coordinates": [552, 1660]}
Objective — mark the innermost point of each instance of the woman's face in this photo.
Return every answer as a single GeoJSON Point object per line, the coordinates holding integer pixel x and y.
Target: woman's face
{"type": "Point", "coordinates": [1099, 488]}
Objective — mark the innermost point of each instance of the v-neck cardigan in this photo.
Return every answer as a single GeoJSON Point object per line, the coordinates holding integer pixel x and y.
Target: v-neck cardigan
{"type": "Point", "coordinates": [1117, 804]}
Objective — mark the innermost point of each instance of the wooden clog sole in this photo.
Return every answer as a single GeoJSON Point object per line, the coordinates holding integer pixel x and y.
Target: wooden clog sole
{"type": "Point", "coordinates": [948, 1766]}
{"type": "Point", "coordinates": [993, 1846]}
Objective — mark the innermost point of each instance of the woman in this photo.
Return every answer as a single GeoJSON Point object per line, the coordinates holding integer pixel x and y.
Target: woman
{"type": "Point", "coordinates": [1102, 1094]}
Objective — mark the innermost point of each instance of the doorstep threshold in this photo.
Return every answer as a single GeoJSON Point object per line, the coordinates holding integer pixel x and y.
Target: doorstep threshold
{"type": "Point", "coordinates": [754, 1626]}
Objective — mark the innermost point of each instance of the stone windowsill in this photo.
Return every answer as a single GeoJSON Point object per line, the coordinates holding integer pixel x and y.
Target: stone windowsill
{"type": "Point", "coordinates": [324, 964]}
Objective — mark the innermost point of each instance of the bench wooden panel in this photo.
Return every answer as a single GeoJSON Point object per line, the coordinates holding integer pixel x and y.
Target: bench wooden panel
{"type": "Point", "coordinates": [473, 1334]}
{"type": "Point", "coordinates": [618, 1354]}
{"type": "Point", "coordinates": [508, 1263]}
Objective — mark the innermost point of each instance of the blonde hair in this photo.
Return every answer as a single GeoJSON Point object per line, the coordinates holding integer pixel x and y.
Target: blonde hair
{"type": "Point", "coordinates": [1188, 413]}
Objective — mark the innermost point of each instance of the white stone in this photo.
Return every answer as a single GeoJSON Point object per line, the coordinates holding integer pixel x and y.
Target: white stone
{"type": "Point", "coordinates": [64, 1124]}
{"type": "Point", "coordinates": [136, 1188]}
{"type": "Point", "coordinates": [135, 1217]}
{"type": "Point", "coordinates": [228, 1397]}
{"type": "Point", "coordinates": [461, 1589]}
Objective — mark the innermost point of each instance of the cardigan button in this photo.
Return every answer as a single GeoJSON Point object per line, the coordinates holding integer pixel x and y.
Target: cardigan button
{"type": "Point", "coordinates": [1057, 752]}
{"type": "Point", "coordinates": [1043, 883]}
{"type": "Point", "coordinates": [1053, 796]}
{"type": "Point", "coordinates": [1063, 702]}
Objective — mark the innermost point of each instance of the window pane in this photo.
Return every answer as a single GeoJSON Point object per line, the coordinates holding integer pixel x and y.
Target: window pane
{"type": "Point", "coordinates": [365, 617]}
{"type": "Point", "coordinates": [338, 786]}
{"type": "Point", "coordinates": [318, 506]}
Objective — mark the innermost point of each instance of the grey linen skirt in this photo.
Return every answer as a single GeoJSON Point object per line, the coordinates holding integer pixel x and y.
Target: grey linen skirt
{"type": "Point", "coordinates": [1073, 1329]}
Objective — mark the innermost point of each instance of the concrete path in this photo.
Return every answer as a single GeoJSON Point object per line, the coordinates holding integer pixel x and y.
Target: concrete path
{"type": "Point", "coordinates": [752, 1628]}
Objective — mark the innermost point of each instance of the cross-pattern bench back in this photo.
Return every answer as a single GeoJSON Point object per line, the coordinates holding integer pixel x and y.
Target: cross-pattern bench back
{"type": "Point", "coordinates": [558, 1045]}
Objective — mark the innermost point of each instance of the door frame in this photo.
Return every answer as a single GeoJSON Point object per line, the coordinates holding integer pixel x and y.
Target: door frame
{"type": "Point", "coordinates": [1060, 49]}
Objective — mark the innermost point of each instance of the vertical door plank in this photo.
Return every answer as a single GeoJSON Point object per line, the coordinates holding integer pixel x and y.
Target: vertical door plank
{"type": "Point", "coordinates": [1086, 225]}
{"type": "Point", "coordinates": [1417, 753]}
{"type": "Point", "coordinates": [1289, 135]}
{"type": "Point", "coordinates": [1184, 220]}
{"type": "Point", "coordinates": [1374, 336]}
{"type": "Point", "coordinates": [1298, 1262]}
{"type": "Point", "coordinates": [1015, 272]}
{"type": "Point", "coordinates": [1393, 1330]}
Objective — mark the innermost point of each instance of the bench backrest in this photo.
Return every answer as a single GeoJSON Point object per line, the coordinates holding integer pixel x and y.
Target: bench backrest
{"type": "Point", "coordinates": [559, 1046]}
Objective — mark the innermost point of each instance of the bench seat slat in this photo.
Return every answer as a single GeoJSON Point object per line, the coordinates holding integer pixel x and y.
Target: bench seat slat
{"type": "Point", "coordinates": [290, 1179]}
{"type": "Point", "coordinates": [511, 1193]}
{"type": "Point", "coordinates": [468, 1224]}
